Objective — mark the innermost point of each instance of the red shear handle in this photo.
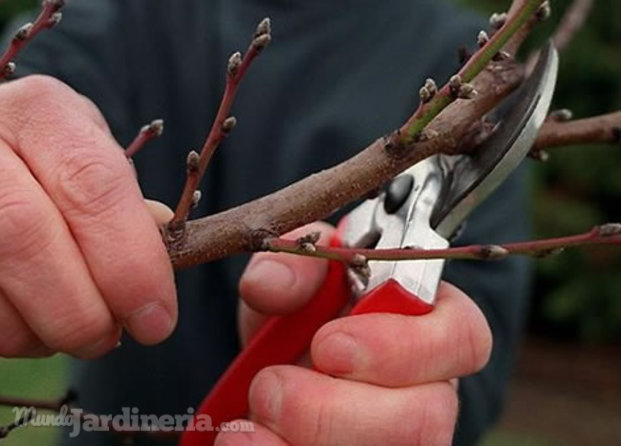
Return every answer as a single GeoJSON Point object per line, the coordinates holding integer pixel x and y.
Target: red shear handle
{"type": "Point", "coordinates": [282, 340]}
{"type": "Point", "coordinates": [391, 297]}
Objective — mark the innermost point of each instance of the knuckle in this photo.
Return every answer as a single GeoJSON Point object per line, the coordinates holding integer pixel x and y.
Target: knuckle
{"type": "Point", "coordinates": [72, 332]}
{"type": "Point", "coordinates": [43, 102]}
{"type": "Point", "coordinates": [90, 184]}
{"type": "Point", "coordinates": [40, 86]}
{"type": "Point", "coordinates": [22, 224]}
{"type": "Point", "coordinates": [31, 98]}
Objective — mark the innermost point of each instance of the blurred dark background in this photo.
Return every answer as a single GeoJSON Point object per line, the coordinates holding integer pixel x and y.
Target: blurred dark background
{"type": "Point", "coordinates": [567, 389]}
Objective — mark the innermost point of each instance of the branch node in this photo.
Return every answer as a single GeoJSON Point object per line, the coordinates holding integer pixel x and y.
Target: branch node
{"type": "Point", "coordinates": [393, 144]}
{"type": "Point", "coordinates": [497, 20]}
{"type": "Point", "coordinates": [193, 162]}
{"type": "Point", "coordinates": [548, 253]}
{"type": "Point", "coordinates": [174, 233]}
{"type": "Point", "coordinates": [312, 237]}
{"type": "Point", "coordinates": [561, 115]}
{"type": "Point", "coordinates": [8, 70]}
{"type": "Point", "coordinates": [154, 129]}
{"type": "Point", "coordinates": [260, 42]}
{"type": "Point", "coordinates": [539, 155]}
{"type": "Point", "coordinates": [309, 248]}
{"type": "Point", "coordinates": [544, 11]}
{"type": "Point", "coordinates": [467, 91]}
{"type": "Point", "coordinates": [235, 62]}
{"type": "Point", "coordinates": [196, 198]}
{"type": "Point", "coordinates": [455, 83]}
{"type": "Point", "coordinates": [493, 252]}
{"type": "Point", "coordinates": [358, 261]}
{"type": "Point", "coordinates": [23, 33]}
{"type": "Point", "coordinates": [610, 230]}
{"type": "Point", "coordinates": [229, 124]}
{"type": "Point", "coordinates": [428, 91]}
{"type": "Point", "coordinates": [431, 85]}
{"type": "Point", "coordinates": [426, 134]}
{"type": "Point", "coordinates": [482, 38]}
{"type": "Point", "coordinates": [146, 134]}
{"type": "Point", "coordinates": [264, 27]}
{"type": "Point", "coordinates": [500, 56]}
{"type": "Point", "coordinates": [261, 240]}
{"type": "Point", "coordinates": [54, 20]}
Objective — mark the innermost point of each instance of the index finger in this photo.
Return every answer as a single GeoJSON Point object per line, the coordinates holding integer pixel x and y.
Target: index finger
{"type": "Point", "coordinates": [86, 175]}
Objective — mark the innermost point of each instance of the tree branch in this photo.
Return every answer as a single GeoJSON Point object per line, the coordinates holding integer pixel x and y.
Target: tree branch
{"type": "Point", "coordinates": [458, 87]}
{"type": "Point", "coordinates": [245, 227]}
{"type": "Point", "coordinates": [572, 22]}
{"type": "Point", "coordinates": [146, 134]}
{"type": "Point", "coordinates": [49, 17]}
{"type": "Point", "coordinates": [604, 129]}
{"type": "Point", "coordinates": [222, 126]}
{"type": "Point", "coordinates": [606, 234]}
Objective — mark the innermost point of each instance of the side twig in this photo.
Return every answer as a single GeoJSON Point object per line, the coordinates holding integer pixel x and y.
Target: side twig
{"type": "Point", "coordinates": [146, 134]}
{"type": "Point", "coordinates": [609, 234]}
{"type": "Point", "coordinates": [572, 22]}
{"type": "Point", "coordinates": [433, 101]}
{"type": "Point", "coordinates": [603, 129]}
{"type": "Point", "coordinates": [245, 227]}
{"type": "Point", "coordinates": [49, 17]}
{"type": "Point", "coordinates": [222, 126]}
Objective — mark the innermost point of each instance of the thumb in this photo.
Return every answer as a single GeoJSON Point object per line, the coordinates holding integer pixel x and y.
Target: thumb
{"type": "Point", "coordinates": [161, 213]}
{"type": "Point", "coordinates": [276, 283]}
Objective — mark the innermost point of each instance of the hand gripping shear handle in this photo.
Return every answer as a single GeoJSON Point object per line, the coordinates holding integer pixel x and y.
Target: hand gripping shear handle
{"type": "Point", "coordinates": [422, 207]}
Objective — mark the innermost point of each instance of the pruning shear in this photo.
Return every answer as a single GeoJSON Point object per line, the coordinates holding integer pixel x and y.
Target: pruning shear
{"type": "Point", "coordinates": [422, 207]}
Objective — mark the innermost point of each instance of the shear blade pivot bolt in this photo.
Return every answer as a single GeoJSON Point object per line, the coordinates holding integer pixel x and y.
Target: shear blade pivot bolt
{"type": "Point", "coordinates": [397, 193]}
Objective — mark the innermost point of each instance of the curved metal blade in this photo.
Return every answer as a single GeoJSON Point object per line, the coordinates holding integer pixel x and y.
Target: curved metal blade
{"type": "Point", "coordinates": [475, 177]}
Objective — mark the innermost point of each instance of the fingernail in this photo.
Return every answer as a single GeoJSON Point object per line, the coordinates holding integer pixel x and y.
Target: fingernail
{"type": "Point", "coordinates": [337, 354]}
{"type": "Point", "coordinates": [265, 396]}
{"type": "Point", "coordinates": [270, 272]}
{"type": "Point", "coordinates": [150, 324]}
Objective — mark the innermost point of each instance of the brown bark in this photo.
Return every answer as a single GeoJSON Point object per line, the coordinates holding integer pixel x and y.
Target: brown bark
{"type": "Point", "coordinates": [602, 129]}
{"type": "Point", "coordinates": [244, 228]}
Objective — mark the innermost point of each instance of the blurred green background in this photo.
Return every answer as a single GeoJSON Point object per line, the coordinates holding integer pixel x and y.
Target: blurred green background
{"type": "Point", "coordinates": [577, 295]}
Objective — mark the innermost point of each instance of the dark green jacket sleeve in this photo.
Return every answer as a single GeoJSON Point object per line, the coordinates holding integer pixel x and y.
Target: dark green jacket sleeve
{"type": "Point", "coordinates": [338, 75]}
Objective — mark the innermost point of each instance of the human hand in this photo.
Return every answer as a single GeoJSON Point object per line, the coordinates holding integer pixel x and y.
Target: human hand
{"type": "Point", "coordinates": [387, 378]}
{"type": "Point", "coordinates": [80, 253]}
